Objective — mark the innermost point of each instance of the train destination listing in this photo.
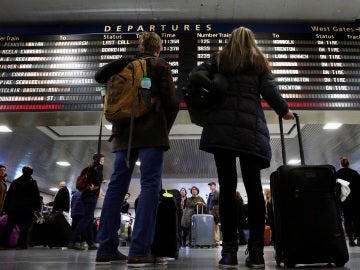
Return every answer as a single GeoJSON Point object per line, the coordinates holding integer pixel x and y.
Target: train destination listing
{"type": "Point", "coordinates": [316, 67]}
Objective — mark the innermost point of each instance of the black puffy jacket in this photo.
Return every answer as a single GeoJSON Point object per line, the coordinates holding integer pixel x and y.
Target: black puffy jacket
{"type": "Point", "coordinates": [237, 122]}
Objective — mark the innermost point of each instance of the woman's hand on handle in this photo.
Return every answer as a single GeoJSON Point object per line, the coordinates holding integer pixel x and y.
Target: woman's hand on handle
{"type": "Point", "coordinates": [289, 115]}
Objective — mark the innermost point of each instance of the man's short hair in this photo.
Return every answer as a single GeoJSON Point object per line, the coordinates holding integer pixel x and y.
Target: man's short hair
{"type": "Point", "coordinates": [150, 42]}
{"type": "Point", "coordinates": [27, 170]}
{"type": "Point", "coordinates": [2, 166]}
{"type": "Point", "coordinates": [212, 183]}
{"type": "Point", "coordinates": [344, 161]}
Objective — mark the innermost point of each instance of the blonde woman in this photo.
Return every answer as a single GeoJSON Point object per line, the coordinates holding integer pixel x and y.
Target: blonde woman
{"type": "Point", "coordinates": [236, 128]}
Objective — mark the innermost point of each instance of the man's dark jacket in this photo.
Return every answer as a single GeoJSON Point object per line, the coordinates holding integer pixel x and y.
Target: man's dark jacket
{"type": "Point", "coordinates": [152, 129]}
{"type": "Point", "coordinates": [62, 200]}
{"type": "Point", "coordinates": [23, 197]}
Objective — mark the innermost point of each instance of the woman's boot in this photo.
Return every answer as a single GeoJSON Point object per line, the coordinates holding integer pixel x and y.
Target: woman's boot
{"type": "Point", "coordinates": [229, 255]}
{"type": "Point", "coordinates": [256, 255]}
{"type": "Point", "coordinates": [352, 242]}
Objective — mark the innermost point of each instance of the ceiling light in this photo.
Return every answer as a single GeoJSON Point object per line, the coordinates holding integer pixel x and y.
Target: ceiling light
{"type": "Point", "coordinates": [54, 189]}
{"type": "Point", "coordinates": [5, 129]}
{"type": "Point", "coordinates": [294, 161]}
{"type": "Point", "coordinates": [138, 163]}
{"type": "Point", "coordinates": [63, 163]}
{"type": "Point", "coordinates": [332, 126]}
{"type": "Point", "coordinates": [109, 127]}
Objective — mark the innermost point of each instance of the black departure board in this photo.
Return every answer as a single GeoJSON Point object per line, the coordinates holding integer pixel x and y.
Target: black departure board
{"type": "Point", "coordinates": [48, 68]}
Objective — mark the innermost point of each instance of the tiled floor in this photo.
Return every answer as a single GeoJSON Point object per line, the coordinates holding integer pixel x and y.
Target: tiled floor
{"type": "Point", "coordinates": [39, 258]}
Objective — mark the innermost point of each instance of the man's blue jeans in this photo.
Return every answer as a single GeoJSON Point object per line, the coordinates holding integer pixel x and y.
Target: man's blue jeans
{"type": "Point", "coordinates": [144, 227]}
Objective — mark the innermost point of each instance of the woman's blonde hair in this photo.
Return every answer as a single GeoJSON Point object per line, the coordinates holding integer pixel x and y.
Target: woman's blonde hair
{"type": "Point", "coordinates": [150, 42]}
{"type": "Point", "coordinates": [242, 53]}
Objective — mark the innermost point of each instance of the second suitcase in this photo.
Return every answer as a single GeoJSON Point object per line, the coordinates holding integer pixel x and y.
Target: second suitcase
{"type": "Point", "coordinates": [307, 217]}
{"type": "Point", "coordinates": [167, 238]}
{"type": "Point", "coordinates": [202, 230]}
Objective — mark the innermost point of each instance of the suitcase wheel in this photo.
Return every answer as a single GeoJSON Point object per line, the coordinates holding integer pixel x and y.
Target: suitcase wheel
{"type": "Point", "coordinates": [289, 264]}
{"type": "Point", "coordinates": [339, 264]}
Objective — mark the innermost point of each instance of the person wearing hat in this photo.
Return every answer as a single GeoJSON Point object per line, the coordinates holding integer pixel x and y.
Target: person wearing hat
{"type": "Point", "coordinates": [213, 204]}
{"type": "Point", "coordinates": [3, 187]}
{"type": "Point", "coordinates": [89, 198]}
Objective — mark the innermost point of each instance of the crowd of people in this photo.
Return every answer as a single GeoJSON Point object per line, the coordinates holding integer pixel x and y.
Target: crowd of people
{"type": "Point", "coordinates": [235, 128]}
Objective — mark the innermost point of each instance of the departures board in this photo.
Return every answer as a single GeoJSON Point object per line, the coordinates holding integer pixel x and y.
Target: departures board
{"type": "Point", "coordinates": [51, 68]}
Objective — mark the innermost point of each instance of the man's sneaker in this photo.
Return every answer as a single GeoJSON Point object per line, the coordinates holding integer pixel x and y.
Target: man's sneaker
{"type": "Point", "coordinates": [76, 246]}
{"type": "Point", "coordinates": [228, 260]}
{"type": "Point", "coordinates": [92, 247]}
{"type": "Point", "coordinates": [119, 257]}
{"type": "Point", "coordinates": [142, 261]}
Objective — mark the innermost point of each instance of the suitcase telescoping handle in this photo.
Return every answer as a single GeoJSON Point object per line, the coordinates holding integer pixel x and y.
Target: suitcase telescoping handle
{"type": "Point", "coordinates": [301, 148]}
{"type": "Point", "coordinates": [197, 209]}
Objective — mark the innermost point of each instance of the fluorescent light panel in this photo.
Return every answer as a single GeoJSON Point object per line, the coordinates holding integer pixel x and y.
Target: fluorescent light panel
{"type": "Point", "coordinates": [332, 125]}
{"type": "Point", "coordinates": [5, 129]}
{"type": "Point", "coordinates": [63, 163]}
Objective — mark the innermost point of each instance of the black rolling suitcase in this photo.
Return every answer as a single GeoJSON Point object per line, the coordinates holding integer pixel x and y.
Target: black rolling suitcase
{"type": "Point", "coordinates": [308, 228]}
{"type": "Point", "coordinates": [58, 230]}
{"type": "Point", "coordinates": [167, 237]}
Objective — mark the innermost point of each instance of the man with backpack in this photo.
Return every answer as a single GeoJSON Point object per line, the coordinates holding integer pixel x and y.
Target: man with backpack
{"type": "Point", "coordinates": [89, 198]}
{"type": "Point", "coordinates": [149, 139]}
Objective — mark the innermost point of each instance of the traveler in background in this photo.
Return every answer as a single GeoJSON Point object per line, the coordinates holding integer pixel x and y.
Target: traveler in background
{"type": "Point", "coordinates": [89, 198]}
{"type": "Point", "coordinates": [125, 204]}
{"type": "Point", "coordinates": [184, 231]}
{"type": "Point", "coordinates": [150, 140]}
{"type": "Point", "coordinates": [21, 202]}
{"type": "Point", "coordinates": [61, 201]}
{"type": "Point", "coordinates": [194, 204]}
{"type": "Point", "coordinates": [77, 213]}
{"type": "Point", "coordinates": [240, 219]}
{"type": "Point", "coordinates": [351, 206]}
{"type": "Point", "coordinates": [269, 213]}
{"type": "Point", "coordinates": [3, 186]}
{"type": "Point", "coordinates": [196, 201]}
{"type": "Point", "coordinates": [236, 128]}
{"type": "Point", "coordinates": [213, 204]}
